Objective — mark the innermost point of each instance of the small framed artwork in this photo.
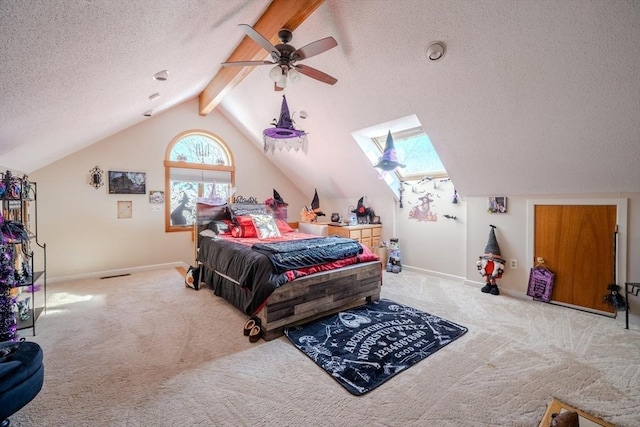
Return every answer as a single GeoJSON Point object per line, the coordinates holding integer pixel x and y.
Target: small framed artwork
{"type": "Point", "coordinates": [497, 204]}
{"type": "Point", "coordinates": [156, 196]}
{"type": "Point", "coordinates": [125, 209]}
{"type": "Point", "coordinates": [127, 182]}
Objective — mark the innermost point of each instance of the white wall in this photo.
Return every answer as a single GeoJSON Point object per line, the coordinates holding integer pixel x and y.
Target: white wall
{"type": "Point", "coordinates": [84, 236]}
{"type": "Point", "coordinates": [436, 246]}
{"type": "Point", "coordinates": [79, 223]}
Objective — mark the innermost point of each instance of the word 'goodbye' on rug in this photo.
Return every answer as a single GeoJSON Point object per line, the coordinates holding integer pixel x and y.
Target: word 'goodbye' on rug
{"type": "Point", "coordinates": [363, 347]}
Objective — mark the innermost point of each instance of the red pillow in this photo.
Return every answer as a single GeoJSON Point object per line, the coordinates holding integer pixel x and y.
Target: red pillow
{"type": "Point", "coordinates": [244, 231]}
{"type": "Point", "coordinates": [283, 226]}
{"type": "Point", "coordinates": [243, 220]}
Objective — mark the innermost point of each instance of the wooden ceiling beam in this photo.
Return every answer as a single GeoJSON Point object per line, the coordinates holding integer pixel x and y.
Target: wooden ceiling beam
{"type": "Point", "coordinates": [280, 14]}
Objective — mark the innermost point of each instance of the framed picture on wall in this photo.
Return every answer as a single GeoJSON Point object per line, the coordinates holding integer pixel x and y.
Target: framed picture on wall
{"type": "Point", "coordinates": [127, 182]}
{"type": "Point", "coordinates": [497, 204]}
{"type": "Point", "coordinates": [125, 209]}
{"type": "Point", "coordinates": [156, 196]}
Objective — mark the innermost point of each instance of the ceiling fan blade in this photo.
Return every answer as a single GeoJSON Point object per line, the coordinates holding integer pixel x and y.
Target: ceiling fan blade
{"type": "Point", "coordinates": [315, 48]}
{"type": "Point", "coordinates": [316, 74]}
{"type": "Point", "coordinates": [247, 63]}
{"type": "Point", "coordinates": [261, 40]}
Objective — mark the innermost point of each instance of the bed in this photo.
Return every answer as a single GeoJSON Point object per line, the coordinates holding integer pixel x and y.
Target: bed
{"type": "Point", "coordinates": [242, 269]}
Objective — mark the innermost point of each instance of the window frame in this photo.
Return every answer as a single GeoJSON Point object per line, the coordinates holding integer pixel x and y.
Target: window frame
{"type": "Point", "coordinates": [380, 142]}
{"type": "Point", "coordinates": [170, 164]}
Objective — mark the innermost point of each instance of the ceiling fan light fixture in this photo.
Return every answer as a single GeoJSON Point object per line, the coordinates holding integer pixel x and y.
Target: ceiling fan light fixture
{"type": "Point", "coordinates": [276, 73]}
{"type": "Point", "coordinates": [294, 75]}
{"type": "Point", "coordinates": [282, 82]}
{"type": "Point", "coordinates": [161, 76]}
{"type": "Point", "coordinates": [435, 51]}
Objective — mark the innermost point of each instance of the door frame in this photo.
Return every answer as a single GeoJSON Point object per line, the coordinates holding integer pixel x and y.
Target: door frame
{"type": "Point", "coordinates": [621, 221]}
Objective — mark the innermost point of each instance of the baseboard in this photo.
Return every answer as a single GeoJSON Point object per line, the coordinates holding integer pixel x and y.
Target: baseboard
{"type": "Point", "coordinates": [431, 272]}
{"type": "Point", "coordinates": [118, 272]}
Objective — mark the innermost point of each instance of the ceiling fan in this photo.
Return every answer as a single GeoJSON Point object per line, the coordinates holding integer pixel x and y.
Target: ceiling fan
{"type": "Point", "coordinates": [284, 56]}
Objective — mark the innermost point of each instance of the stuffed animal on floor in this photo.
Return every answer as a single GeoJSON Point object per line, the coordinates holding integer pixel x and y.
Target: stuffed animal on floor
{"type": "Point", "coordinates": [565, 419]}
{"type": "Point", "coordinates": [192, 278]}
{"type": "Point", "coordinates": [491, 265]}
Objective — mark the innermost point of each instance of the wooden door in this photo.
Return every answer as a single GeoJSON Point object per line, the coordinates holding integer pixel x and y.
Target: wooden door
{"type": "Point", "coordinates": [577, 243]}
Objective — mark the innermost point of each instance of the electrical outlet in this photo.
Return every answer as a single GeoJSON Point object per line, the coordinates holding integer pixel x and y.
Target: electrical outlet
{"type": "Point", "coordinates": [513, 263]}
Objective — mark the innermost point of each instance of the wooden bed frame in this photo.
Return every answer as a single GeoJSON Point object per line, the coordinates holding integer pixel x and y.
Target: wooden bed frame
{"type": "Point", "coordinates": [309, 297]}
{"type": "Point", "coordinates": [319, 295]}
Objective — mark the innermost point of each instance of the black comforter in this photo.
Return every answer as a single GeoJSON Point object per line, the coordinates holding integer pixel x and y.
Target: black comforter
{"type": "Point", "coordinates": [237, 273]}
{"type": "Point", "coordinates": [295, 254]}
{"type": "Point", "coordinates": [246, 277]}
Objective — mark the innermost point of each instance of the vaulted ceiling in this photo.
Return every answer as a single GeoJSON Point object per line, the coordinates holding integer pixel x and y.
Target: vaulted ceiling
{"type": "Point", "coordinates": [530, 97]}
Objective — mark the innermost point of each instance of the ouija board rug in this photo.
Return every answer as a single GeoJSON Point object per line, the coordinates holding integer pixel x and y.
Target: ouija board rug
{"type": "Point", "coordinates": [363, 347]}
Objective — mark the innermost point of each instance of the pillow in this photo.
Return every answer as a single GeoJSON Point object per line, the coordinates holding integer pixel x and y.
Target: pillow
{"type": "Point", "coordinates": [221, 227]}
{"type": "Point", "coordinates": [283, 227]}
{"type": "Point", "coordinates": [265, 226]}
{"type": "Point", "coordinates": [244, 231]}
{"type": "Point", "coordinates": [244, 220]}
{"type": "Point", "coordinates": [240, 209]}
{"type": "Point", "coordinates": [208, 233]}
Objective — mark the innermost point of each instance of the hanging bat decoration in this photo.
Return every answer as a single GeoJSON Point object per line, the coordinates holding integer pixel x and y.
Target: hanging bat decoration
{"type": "Point", "coordinates": [450, 216]}
{"type": "Point", "coordinates": [401, 190]}
{"type": "Point", "coordinates": [456, 198]}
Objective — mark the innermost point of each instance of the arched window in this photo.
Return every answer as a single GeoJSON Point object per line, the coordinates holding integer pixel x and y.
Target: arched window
{"type": "Point", "coordinates": [195, 162]}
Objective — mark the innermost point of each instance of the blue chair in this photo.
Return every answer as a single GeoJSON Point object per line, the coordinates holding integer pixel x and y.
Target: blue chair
{"type": "Point", "coordinates": [21, 376]}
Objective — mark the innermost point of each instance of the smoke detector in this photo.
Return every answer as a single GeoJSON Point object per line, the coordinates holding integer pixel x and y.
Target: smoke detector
{"type": "Point", "coordinates": [435, 51]}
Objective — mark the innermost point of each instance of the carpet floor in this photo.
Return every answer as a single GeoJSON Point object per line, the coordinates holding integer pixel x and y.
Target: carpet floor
{"type": "Point", "coordinates": [143, 350]}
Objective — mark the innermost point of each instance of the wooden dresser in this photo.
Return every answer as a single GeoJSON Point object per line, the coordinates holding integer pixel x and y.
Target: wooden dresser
{"type": "Point", "coordinates": [367, 234]}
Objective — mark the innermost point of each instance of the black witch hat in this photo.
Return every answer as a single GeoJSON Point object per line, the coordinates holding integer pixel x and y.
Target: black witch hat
{"type": "Point", "coordinates": [315, 204]}
{"type": "Point", "coordinates": [389, 160]}
{"type": "Point", "coordinates": [360, 210]}
{"type": "Point", "coordinates": [278, 200]}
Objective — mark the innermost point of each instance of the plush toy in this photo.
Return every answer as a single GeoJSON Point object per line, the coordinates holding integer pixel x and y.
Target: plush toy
{"type": "Point", "coordinates": [394, 263]}
{"type": "Point", "coordinates": [491, 265]}
{"type": "Point", "coordinates": [311, 214]}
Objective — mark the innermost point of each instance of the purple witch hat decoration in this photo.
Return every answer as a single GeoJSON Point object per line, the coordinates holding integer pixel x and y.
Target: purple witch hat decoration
{"type": "Point", "coordinates": [284, 135]}
{"type": "Point", "coordinates": [389, 160]}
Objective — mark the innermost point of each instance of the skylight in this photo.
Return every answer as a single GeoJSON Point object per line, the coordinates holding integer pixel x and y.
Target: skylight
{"type": "Point", "coordinates": [413, 148]}
{"type": "Point", "coordinates": [415, 151]}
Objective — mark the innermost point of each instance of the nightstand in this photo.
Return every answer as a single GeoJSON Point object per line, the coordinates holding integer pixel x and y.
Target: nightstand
{"type": "Point", "coordinates": [367, 234]}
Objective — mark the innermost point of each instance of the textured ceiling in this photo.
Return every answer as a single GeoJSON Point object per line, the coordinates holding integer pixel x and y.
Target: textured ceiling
{"type": "Point", "coordinates": [531, 97]}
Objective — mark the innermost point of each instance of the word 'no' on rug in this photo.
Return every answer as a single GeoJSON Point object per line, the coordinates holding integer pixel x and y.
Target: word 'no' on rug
{"type": "Point", "coordinates": [363, 347]}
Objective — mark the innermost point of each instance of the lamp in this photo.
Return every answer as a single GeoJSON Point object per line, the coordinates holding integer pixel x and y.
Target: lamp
{"type": "Point", "coordinates": [275, 73]}
{"type": "Point", "coordinates": [294, 75]}
{"type": "Point", "coordinates": [282, 75]}
{"type": "Point", "coordinates": [285, 135]}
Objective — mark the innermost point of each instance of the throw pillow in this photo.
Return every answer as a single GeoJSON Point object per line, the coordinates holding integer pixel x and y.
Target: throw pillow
{"type": "Point", "coordinates": [265, 226]}
{"type": "Point", "coordinates": [283, 226]}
